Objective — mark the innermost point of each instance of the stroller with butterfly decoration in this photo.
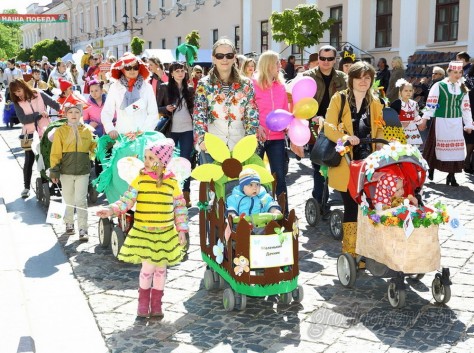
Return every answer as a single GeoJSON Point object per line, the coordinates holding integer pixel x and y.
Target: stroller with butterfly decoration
{"type": "Point", "coordinates": [247, 263]}
{"type": "Point", "coordinates": [397, 236]}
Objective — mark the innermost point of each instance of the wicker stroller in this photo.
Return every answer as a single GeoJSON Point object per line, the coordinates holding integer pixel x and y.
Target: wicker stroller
{"type": "Point", "coordinates": [400, 241]}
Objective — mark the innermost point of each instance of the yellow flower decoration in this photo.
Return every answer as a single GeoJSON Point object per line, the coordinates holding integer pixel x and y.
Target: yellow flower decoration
{"type": "Point", "coordinates": [229, 163]}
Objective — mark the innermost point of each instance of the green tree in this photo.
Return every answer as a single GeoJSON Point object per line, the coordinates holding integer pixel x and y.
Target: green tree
{"type": "Point", "coordinates": [25, 55]}
{"type": "Point", "coordinates": [302, 26]}
{"type": "Point", "coordinates": [10, 37]}
{"type": "Point", "coordinates": [193, 38]}
{"type": "Point", "coordinates": [137, 45]}
{"type": "Point", "coordinates": [53, 49]}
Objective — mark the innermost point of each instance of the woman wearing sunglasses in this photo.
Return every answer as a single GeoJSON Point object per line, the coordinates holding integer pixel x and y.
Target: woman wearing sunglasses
{"type": "Point", "coordinates": [176, 100]}
{"type": "Point", "coordinates": [225, 101]}
{"type": "Point", "coordinates": [130, 97]}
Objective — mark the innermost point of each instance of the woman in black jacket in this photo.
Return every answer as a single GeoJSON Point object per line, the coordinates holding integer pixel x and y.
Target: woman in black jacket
{"type": "Point", "coordinates": [176, 101]}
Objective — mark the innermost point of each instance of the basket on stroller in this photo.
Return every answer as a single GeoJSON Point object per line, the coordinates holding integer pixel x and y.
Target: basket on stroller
{"type": "Point", "coordinates": [399, 241]}
{"type": "Point", "coordinates": [109, 153]}
{"type": "Point", "coordinates": [252, 264]}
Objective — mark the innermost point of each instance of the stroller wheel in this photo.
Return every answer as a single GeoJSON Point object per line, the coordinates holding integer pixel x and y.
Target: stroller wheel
{"type": "Point", "coordinates": [312, 212]}
{"type": "Point", "coordinates": [396, 296]}
{"type": "Point", "coordinates": [209, 283]}
{"type": "Point", "coordinates": [117, 240]}
{"type": "Point", "coordinates": [46, 194]}
{"type": "Point", "coordinates": [346, 270]}
{"type": "Point", "coordinates": [285, 298]}
{"type": "Point", "coordinates": [298, 294]}
{"type": "Point", "coordinates": [228, 299]}
{"type": "Point", "coordinates": [105, 232]}
{"type": "Point", "coordinates": [335, 224]}
{"type": "Point", "coordinates": [39, 189]}
{"type": "Point", "coordinates": [240, 301]}
{"type": "Point", "coordinates": [441, 292]}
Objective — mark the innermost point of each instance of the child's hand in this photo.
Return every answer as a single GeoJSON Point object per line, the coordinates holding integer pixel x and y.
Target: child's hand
{"type": "Point", "coordinates": [55, 180]}
{"type": "Point", "coordinates": [227, 232]}
{"type": "Point", "coordinates": [275, 211]}
{"type": "Point", "coordinates": [413, 200]}
{"type": "Point", "coordinates": [104, 213]}
{"type": "Point", "coordinates": [182, 238]}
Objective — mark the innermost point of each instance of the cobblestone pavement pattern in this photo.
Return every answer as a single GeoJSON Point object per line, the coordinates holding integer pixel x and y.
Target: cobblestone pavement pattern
{"type": "Point", "coordinates": [329, 319]}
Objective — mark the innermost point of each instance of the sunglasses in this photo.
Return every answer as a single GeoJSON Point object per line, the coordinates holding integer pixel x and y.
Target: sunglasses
{"type": "Point", "coordinates": [220, 56]}
{"type": "Point", "coordinates": [128, 68]}
{"type": "Point", "coordinates": [329, 58]}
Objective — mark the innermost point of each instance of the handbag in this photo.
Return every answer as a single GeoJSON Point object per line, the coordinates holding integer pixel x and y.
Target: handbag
{"type": "Point", "coordinates": [324, 150]}
{"type": "Point", "coordinates": [25, 141]}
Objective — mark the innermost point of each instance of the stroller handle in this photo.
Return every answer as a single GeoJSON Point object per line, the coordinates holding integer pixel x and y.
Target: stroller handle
{"type": "Point", "coordinates": [368, 140]}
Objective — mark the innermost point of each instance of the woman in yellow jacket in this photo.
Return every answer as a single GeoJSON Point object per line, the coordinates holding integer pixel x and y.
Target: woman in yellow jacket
{"type": "Point", "coordinates": [361, 117]}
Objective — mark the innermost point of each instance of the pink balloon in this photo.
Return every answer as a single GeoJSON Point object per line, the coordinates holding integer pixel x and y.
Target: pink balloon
{"type": "Point", "coordinates": [298, 132]}
{"type": "Point", "coordinates": [305, 87]}
{"type": "Point", "coordinates": [278, 119]}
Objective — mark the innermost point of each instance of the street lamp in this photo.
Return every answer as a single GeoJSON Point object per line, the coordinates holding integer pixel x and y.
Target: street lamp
{"type": "Point", "coordinates": [125, 22]}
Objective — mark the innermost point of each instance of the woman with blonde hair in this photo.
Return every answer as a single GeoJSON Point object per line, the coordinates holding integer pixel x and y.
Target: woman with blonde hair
{"type": "Point", "coordinates": [398, 72]}
{"type": "Point", "coordinates": [248, 67]}
{"type": "Point", "coordinates": [270, 94]}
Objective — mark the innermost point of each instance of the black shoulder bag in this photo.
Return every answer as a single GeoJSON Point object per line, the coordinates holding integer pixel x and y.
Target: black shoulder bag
{"type": "Point", "coordinates": [324, 150]}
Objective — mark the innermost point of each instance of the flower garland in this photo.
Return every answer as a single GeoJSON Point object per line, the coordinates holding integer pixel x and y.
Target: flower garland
{"type": "Point", "coordinates": [395, 217]}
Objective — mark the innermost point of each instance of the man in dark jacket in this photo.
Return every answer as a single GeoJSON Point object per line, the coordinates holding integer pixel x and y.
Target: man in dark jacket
{"type": "Point", "coordinates": [328, 81]}
{"type": "Point", "coordinates": [383, 74]}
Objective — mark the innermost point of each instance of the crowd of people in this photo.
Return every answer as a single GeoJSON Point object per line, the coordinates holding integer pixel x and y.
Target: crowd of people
{"type": "Point", "coordinates": [231, 100]}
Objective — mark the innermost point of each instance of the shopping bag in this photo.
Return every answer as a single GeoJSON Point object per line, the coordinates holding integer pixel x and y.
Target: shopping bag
{"type": "Point", "coordinates": [56, 211]}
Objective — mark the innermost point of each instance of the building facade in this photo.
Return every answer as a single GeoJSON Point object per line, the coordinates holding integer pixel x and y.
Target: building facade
{"type": "Point", "coordinates": [374, 28]}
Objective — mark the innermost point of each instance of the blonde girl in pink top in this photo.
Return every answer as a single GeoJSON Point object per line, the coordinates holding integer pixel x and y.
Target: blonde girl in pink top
{"type": "Point", "coordinates": [270, 94]}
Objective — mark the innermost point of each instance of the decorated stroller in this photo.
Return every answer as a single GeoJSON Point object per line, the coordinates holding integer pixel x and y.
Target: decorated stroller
{"type": "Point", "coordinates": [251, 264]}
{"type": "Point", "coordinates": [399, 241]}
{"type": "Point", "coordinates": [9, 116]}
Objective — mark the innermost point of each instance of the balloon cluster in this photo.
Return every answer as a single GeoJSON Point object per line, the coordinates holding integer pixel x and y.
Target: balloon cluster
{"type": "Point", "coordinates": [304, 107]}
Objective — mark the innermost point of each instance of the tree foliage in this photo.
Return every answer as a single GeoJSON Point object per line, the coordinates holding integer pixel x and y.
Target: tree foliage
{"type": "Point", "coordinates": [193, 38]}
{"type": "Point", "coordinates": [53, 49]}
{"type": "Point", "coordinates": [137, 45]}
{"type": "Point", "coordinates": [302, 26]}
{"type": "Point", "coordinates": [10, 37]}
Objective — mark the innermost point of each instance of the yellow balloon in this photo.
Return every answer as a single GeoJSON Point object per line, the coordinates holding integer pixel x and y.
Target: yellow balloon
{"type": "Point", "coordinates": [305, 108]}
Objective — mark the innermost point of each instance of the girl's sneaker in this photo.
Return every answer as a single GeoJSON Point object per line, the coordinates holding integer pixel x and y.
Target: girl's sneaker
{"type": "Point", "coordinates": [69, 228]}
{"type": "Point", "coordinates": [83, 236]}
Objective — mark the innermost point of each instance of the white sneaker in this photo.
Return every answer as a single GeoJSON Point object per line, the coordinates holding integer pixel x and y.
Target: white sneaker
{"type": "Point", "coordinates": [83, 236]}
{"type": "Point", "coordinates": [25, 193]}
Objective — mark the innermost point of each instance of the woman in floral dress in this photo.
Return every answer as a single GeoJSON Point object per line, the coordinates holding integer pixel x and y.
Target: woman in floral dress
{"type": "Point", "coordinates": [224, 104]}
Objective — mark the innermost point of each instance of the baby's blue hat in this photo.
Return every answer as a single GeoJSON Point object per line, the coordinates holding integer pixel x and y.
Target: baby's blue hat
{"type": "Point", "coordinates": [248, 176]}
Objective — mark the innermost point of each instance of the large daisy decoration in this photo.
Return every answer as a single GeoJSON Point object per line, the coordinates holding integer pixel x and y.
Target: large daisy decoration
{"type": "Point", "coordinates": [228, 164]}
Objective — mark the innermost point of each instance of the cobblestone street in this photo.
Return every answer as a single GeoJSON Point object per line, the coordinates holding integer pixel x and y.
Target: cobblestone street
{"type": "Point", "coordinates": [330, 318]}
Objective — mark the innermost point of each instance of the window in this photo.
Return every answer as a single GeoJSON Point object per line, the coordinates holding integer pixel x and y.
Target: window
{"type": "Point", "coordinates": [335, 33]}
{"type": "Point", "coordinates": [215, 35]}
{"type": "Point", "coordinates": [162, 3]}
{"type": "Point", "coordinates": [135, 12]}
{"type": "Point", "coordinates": [150, 46]}
{"type": "Point", "coordinates": [179, 40]}
{"type": "Point", "coordinates": [163, 43]}
{"type": "Point", "coordinates": [237, 38]}
{"type": "Point", "coordinates": [295, 49]}
{"type": "Point", "coordinates": [114, 11]}
{"type": "Point", "coordinates": [263, 36]}
{"type": "Point", "coordinates": [447, 18]}
{"type": "Point", "coordinates": [96, 16]}
{"type": "Point", "coordinates": [148, 5]}
{"type": "Point", "coordinates": [383, 24]}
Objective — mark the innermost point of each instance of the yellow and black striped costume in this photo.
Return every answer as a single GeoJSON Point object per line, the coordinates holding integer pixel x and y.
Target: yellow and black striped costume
{"type": "Point", "coordinates": [160, 213]}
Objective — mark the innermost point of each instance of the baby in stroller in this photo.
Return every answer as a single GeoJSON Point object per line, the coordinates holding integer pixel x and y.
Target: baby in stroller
{"type": "Point", "coordinates": [249, 198]}
{"type": "Point", "coordinates": [390, 192]}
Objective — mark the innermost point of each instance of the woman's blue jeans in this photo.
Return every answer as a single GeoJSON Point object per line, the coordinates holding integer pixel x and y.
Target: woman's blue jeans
{"type": "Point", "coordinates": [185, 142]}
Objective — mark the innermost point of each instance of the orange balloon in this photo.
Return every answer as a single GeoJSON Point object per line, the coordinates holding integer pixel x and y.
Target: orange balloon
{"type": "Point", "coordinates": [305, 108]}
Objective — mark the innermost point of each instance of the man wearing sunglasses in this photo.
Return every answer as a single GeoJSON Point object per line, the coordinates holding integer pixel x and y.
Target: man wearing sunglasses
{"type": "Point", "coordinates": [328, 81]}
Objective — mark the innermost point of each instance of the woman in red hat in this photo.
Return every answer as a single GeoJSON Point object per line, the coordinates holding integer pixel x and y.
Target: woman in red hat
{"type": "Point", "coordinates": [131, 97]}
{"type": "Point", "coordinates": [67, 96]}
